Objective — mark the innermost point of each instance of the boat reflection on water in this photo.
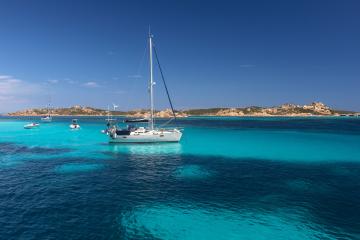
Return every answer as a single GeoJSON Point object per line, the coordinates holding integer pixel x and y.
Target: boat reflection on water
{"type": "Point", "coordinates": [147, 148]}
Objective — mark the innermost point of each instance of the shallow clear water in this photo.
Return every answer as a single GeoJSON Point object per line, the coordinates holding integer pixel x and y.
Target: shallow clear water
{"type": "Point", "coordinates": [229, 178]}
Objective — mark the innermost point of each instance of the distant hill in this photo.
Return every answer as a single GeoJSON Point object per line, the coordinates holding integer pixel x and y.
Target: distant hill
{"type": "Point", "coordinates": [71, 111]}
{"type": "Point", "coordinates": [313, 109]}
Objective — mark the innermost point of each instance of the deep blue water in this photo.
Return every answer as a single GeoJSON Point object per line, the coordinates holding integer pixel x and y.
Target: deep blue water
{"type": "Point", "coordinates": [229, 178]}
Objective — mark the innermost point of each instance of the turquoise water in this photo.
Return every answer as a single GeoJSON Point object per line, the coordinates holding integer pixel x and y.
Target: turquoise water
{"type": "Point", "coordinates": [229, 178]}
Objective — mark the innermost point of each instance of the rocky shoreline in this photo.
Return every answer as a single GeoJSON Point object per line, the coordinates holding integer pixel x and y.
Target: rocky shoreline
{"type": "Point", "coordinates": [285, 110]}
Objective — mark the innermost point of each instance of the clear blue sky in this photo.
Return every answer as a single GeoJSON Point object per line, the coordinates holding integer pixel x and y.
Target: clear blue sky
{"type": "Point", "coordinates": [214, 53]}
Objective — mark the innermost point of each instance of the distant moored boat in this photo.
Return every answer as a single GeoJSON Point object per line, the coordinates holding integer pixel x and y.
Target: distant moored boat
{"type": "Point", "coordinates": [31, 125]}
{"type": "Point", "coordinates": [74, 124]}
{"type": "Point", "coordinates": [48, 117]}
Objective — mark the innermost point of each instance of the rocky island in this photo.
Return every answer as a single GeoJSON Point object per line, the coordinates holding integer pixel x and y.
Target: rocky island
{"type": "Point", "coordinates": [288, 110]}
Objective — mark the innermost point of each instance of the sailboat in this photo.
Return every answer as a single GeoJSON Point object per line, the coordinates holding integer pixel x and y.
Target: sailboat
{"type": "Point", "coordinates": [48, 117]}
{"type": "Point", "coordinates": [150, 134]}
{"type": "Point", "coordinates": [74, 124]}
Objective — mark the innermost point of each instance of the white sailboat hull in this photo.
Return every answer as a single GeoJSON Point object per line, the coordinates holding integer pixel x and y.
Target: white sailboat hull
{"type": "Point", "coordinates": [147, 137]}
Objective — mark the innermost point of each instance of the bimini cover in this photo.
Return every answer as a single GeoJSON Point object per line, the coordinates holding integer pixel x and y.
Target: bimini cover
{"type": "Point", "coordinates": [136, 120]}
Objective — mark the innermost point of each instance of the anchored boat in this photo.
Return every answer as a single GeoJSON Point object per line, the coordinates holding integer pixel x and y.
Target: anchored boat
{"type": "Point", "coordinates": [150, 134]}
{"type": "Point", "coordinates": [74, 124]}
{"type": "Point", "coordinates": [31, 125]}
{"type": "Point", "coordinates": [48, 117]}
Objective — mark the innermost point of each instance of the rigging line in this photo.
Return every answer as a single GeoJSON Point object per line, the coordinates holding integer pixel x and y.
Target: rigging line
{"type": "Point", "coordinates": [141, 64]}
{"type": "Point", "coordinates": [167, 122]}
{"type": "Point", "coordinates": [163, 79]}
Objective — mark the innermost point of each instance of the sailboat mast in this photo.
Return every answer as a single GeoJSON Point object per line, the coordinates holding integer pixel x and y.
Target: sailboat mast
{"type": "Point", "coordinates": [151, 123]}
{"type": "Point", "coordinates": [49, 106]}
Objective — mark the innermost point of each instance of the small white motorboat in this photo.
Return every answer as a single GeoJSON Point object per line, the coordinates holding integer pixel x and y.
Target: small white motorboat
{"type": "Point", "coordinates": [31, 125]}
{"type": "Point", "coordinates": [74, 124]}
